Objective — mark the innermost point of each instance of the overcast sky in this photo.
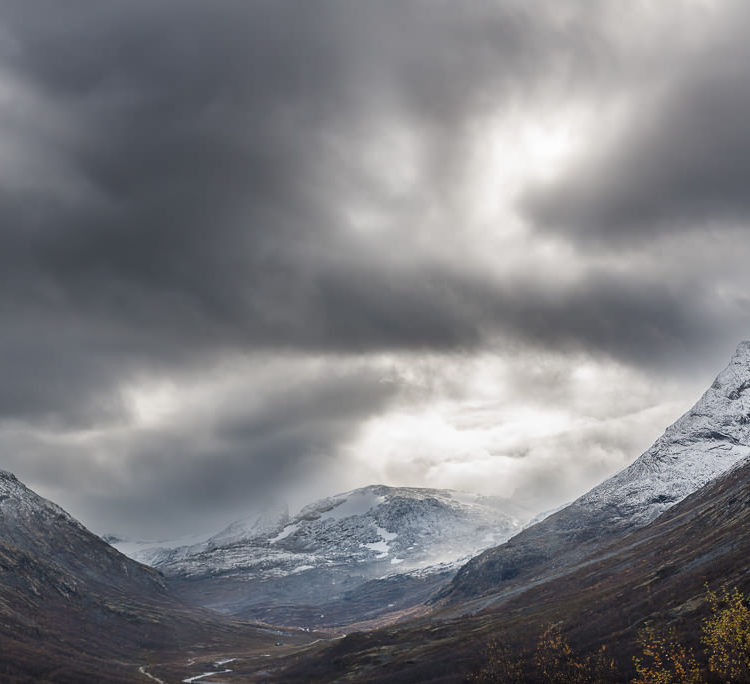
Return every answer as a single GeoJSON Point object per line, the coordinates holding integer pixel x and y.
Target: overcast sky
{"type": "Point", "coordinates": [254, 252]}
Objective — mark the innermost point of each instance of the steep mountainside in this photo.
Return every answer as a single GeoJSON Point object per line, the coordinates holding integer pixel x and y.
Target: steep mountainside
{"type": "Point", "coordinates": [33, 525]}
{"type": "Point", "coordinates": [656, 574]}
{"type": "Point", "coordinates": [72, 608]}
{"type": "Point", "coordinates": [705, 442]}
{"type": "Point", "coordinates": [348, 557]}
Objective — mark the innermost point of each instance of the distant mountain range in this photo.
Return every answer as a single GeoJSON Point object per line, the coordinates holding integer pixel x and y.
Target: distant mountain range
{"type": "Point", "coordinates": [350, 557]}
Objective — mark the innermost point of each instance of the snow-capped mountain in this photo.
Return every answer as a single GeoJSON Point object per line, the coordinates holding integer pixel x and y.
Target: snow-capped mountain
{"type": "Point", "coordinates": [704, 443]}
{"type": "Point", "coordinates": [24, 514]}
{"type": "Point", "coordinates": [380, 527]}
{"type": "Point", "coordinates": [335, 545]}
{"type": "Point", "coordinates": [656, 575]}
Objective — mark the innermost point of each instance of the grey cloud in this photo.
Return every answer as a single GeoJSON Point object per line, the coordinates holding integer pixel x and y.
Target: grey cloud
{"type": "Point", "coordinates": [230, 459]}
{"type": "Point", "coordinates": [641, 321]}
{"type": "Point", "coordinates": [198, 154]}
{"type": "Point", "coordinates": [175, 189]}
{"type": "Point", "coordinates": [681, 161]}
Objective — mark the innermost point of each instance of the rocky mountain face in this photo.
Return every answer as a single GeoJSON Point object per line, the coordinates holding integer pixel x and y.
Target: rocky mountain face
{"type": "Point", "coordinates": [72, 608]}
{"type": "Point", "coordinates": [32, 525]}
{"type": "Point", "coordinates": [345, 558]}
{"type": "Point", "coordinates": [705, 442]}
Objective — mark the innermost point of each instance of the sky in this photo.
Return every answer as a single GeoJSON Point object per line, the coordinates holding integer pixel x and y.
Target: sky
{"type": "Point", "coordinates": [263, 252]}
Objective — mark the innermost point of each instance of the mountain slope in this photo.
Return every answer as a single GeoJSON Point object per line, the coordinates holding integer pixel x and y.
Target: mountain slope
{"type": "Point", "coordinates": [705, 442]}
{"type": "Point", "coordinates": [35, 526]}
{"type": "Point", "coordinates": [348, 557]}
{"type": "Point", "coordinates": [656, 574]}
{"type": "Point", "coordinates": [72, 608]}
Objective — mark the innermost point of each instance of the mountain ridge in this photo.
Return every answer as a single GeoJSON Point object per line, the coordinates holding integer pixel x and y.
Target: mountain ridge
{"type": "Point", "coordinates": [700, 445]}
{"type": "Point", "coordinates": [332, 548]}
{"type": "Point", "coordinates": [655, 575]}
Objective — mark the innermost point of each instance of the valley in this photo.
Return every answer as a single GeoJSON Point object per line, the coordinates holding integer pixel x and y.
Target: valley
{"type": "Point", "coordinates": [388, 584]}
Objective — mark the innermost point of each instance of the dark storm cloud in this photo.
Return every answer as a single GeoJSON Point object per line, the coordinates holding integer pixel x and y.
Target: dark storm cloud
{"type": "Point", "coordinates": [192, 190]}
{"type": "Point", "coordinates": [178, 170]}
{"type": "Point", "coordinates": [679, 163]}
{"type": "Point", "coordinates": [225, 458]}
{"type": "Point", "coordinates": [193, 156]}
{"type": "Point", "coordinates": [294, 434]}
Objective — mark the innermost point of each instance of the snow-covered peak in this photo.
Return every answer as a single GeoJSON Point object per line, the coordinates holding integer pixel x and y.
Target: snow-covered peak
{"type": "Point", "coordinates": [378, 529]}
{"type": "Point", "coordinates": [357, 502]}
{"type": "Point", "coordinates": [729, 387]}
{"type": "Point", "coordinates": [742, 351]}
{"type": "Point", "coordinates": [7, 476]}
{"type": "Point", "coordinates": [710, 439]}
{"type": "Point", "coordinates": [12, 489]}
{"type": "Point", "coordinates": [20, 506]}
{"type": "Point", "coordinates": [706, 441]}
{"type": "Point", "coordinates": [409, 525]}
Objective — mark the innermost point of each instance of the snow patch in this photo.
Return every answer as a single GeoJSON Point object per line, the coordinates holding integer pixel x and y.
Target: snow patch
{"type": "Point", "coordinates": [379, 546]}
{"type": "Point", "coordinates": [289, 529]}
{"type": "Point", "coordinates": [357, 503]}
{"type": "Point", "coordinates": [382, 547]}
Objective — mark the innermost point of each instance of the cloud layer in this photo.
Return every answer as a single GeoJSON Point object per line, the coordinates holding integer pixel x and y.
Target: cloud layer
{"type": "Point", "coordinates": [192, 191]}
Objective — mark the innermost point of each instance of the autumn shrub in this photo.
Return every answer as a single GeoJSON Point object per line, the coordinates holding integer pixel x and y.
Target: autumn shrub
{"type": "Point", "coordinates": [557, 662]}
{"type": "Point", "coordinates": [555, 659]}
{"type": "Point", "coordinates": [665, 660]}
{"type": "Point", "coordinates": [726, 635]}
{"type": "Point", "coordinates": [500, 664]}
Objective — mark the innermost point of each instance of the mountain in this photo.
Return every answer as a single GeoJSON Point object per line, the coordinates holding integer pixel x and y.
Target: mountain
{"type": "Point", "coordinates": [345, 558]}
{"type": "Point", "coordinates": [705, 442]}
{"type": "Point", "coordinates": [72, 608]}
{"type": "Point", "coordinates": [638, 548]}
{"type": "Point", "coordinates": [655, 575]}
{"type": "Point", "coordinates": [36, 527]}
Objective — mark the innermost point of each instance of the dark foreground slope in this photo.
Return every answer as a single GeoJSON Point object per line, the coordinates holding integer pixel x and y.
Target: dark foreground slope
{"type": "Point", "coordinates": [73, 609]}
{"type": "Point", "coordinates": [702, 444]}
{"type": "Point", "coordinates": [657, 573]}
